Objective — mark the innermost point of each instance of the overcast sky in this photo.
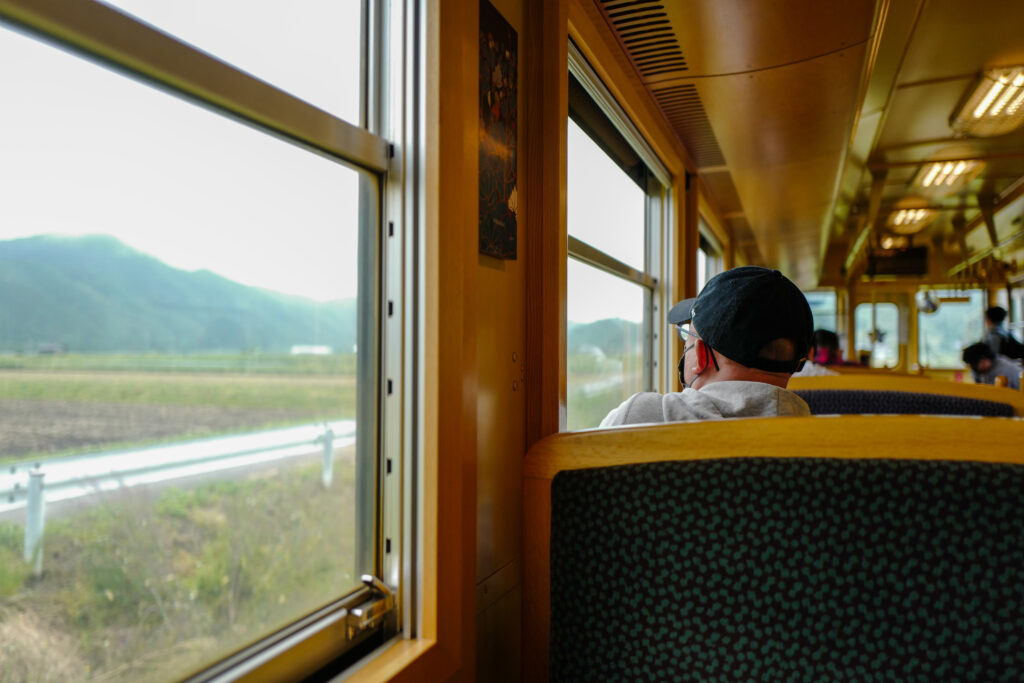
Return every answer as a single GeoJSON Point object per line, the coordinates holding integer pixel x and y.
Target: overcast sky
{"type": "Point", "coordinates": [85, 150]}
{"type": "Point", "coordinates": [605, 209]}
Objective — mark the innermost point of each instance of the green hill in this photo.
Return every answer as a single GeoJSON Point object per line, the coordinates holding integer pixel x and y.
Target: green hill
{"type": "Point", "coordinates": [95, 294]}
{"type": "Point", "coordinates": [613, 336]}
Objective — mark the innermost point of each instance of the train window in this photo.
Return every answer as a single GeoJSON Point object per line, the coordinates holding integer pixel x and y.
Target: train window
{"type": "Point", "coordinates": [606, 343]}
{"type": "Point", "coordinates": [1013, 301]}
{"type": "Point", "coordinates": [308, 51]}
{"type": "Point", "coordinates": [192, 361]}
{"type": "Point", "coordinates": [615, 190]}
{"type": "Point", "coordinates": [709, 257]}
{"type": "Point", "coordinates": [954, 324]}
{"type": "Point", "coordinates": [605, 207]}
{"type": "Point", "coordinates": [877, 334]}
{"type": "Point", "coordinates": [823, 309]}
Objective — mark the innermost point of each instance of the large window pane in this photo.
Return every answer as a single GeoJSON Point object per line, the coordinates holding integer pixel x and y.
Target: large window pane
{"type": "Point", "coordinates": [605, 343]}
{"type": "Point", "coordinates": [606, 209]}
{"type": "Point", "coordinates": [178, 360]}
{"type": "Point", "coordinates": [878, 338]}
{"type": "Point", "coordinates": [823, 309]}
{"type": "Point", "coordinates": [955, 324]}
{"type": "Point", "coordinates": [709, 259]}
{"type": "Point", "coordinates": [311, 48]}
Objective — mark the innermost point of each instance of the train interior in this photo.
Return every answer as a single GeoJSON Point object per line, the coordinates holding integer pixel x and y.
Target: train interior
{"type": "Point", "coordinates": [870, 150]}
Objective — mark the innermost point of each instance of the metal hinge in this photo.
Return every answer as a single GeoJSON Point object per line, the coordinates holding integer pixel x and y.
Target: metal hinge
{"type": "Point", "coordinates": [373, 611]}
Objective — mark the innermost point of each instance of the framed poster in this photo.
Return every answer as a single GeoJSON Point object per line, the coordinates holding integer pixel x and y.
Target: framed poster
{"type": "Point", "coordinates": [499, 77]}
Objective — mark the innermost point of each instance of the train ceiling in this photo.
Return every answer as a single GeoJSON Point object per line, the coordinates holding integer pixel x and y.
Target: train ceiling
{"type": "Point", "coordinates": [812, 125]}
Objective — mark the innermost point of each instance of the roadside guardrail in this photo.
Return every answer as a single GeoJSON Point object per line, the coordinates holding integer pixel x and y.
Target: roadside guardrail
{"type": "Point", "coordinates": [30, 484]}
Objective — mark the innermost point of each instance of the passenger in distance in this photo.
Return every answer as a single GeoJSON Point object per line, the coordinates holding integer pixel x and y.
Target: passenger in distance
{"type": "Point", "coordinates": [824, 351]}
{"type": "Point", "coordinates": [998, 337]}
{"type": "Point", "coordinates": [986, 366]}
{"type": "Point", "coordinates": [744, 335]}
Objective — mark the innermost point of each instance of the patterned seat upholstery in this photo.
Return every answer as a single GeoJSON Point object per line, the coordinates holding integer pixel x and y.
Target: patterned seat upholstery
{"type": "Point", "coordinates": [788, 570]}
{"type": "Point", "coordinates": [846, 401]}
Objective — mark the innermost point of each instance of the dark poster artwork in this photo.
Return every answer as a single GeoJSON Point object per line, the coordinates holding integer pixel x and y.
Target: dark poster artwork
{"type": "Point", "coordinates": [499, 75]}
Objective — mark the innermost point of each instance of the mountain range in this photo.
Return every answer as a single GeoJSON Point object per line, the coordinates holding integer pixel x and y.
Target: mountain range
{"type": "Point", "coordinates": [95, 294]}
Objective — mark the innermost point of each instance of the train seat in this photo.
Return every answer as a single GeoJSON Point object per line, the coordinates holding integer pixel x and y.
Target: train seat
{"type": "Point", "coordinates": [904, 395]}
{"type": "Point", "coordinates": [764, 550]}
{"type": "Point", "coordinates": [844, 401]}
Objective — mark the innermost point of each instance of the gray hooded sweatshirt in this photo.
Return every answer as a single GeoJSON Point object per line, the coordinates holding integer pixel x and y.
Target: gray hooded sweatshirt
{"type": "Point", "coordinates": [712, 402]}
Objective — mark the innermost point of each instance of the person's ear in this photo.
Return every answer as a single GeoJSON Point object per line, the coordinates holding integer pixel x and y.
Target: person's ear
{"type": "Point", "coordinates": [703, 356]}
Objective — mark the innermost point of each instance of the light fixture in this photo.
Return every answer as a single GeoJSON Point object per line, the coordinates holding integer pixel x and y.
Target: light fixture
{"type": "Point", "coordinates": [895, 242]}
{"type": "Point", "coordinates": [940, 178]}
{"type": "Point", "coordinates": [995, 106]}
{"type": "Point", "coordinates": [910, 216]}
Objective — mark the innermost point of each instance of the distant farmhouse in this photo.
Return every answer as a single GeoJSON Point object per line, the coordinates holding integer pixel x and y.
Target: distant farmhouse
{"type": "Point", "coordinates": [312, 350]}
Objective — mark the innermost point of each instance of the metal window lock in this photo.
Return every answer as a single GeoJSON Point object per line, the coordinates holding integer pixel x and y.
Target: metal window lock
{"type": "Point", "coordinates": [371, 612]}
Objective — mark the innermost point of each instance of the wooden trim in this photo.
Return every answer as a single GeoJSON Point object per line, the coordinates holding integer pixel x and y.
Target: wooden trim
{"type": "Point", "coordinates": [917, 437]}
{"type": "Point", "coordinates": [589, 30]}
{"type": "Point", "coordinates": [678, 267]}
{"type": "Point", "coordinates": [536, 579]}
{"type": "Point", "coordinates": [912, 437]}
{"type": "Point", "coordinates": [547, 110]}
{"type": "Point", "coordinates": [444, 647]}
{"type": "Point", "coordinates": [690, 236]}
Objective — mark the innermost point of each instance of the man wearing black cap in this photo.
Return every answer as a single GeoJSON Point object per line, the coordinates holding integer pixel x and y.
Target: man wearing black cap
{"type": "Point", "coordinates": [746, 333]}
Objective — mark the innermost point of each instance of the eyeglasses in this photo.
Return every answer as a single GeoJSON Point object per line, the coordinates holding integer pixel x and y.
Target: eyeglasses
{"type": "Point", "coordinates": [685, 331]}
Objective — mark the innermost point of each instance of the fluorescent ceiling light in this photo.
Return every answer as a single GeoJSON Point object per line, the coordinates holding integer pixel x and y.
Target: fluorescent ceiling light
{"type": "Point", "coordinates": [894, 242]}
{"type": "Point", "coordinates": [995, 105]}
{"type": "Point", "coordinates": [910, 221]}
{"type": "Point", "coordinates": [946, 177]}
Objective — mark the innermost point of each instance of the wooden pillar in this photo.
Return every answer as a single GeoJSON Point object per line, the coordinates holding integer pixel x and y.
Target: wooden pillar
{"type": "Point", "coordinates": [547, 112]}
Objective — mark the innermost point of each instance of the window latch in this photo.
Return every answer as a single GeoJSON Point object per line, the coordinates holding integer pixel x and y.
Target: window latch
{"type": "Point", "coordinates": [374, 610]}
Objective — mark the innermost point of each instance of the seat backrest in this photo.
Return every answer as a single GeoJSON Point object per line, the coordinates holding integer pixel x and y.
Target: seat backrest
{"type": "Point", "coordinates": [788, 569]}
{"type": "Point", "coordinates": [887, 547]}
{"type": "Point", "coordinates": [845, 401]}
{"type": "Point", "coordinates": [894, 394]}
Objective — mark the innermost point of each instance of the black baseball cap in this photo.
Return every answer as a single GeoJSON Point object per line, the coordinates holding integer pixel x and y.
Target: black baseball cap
{"type": "Point", "coordinates": [742, 310]}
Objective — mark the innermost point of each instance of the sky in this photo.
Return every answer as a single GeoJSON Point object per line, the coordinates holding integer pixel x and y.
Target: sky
{"type": "Point", "coordinates": [605, 209]}
{"type": "Point", "coordinates": [84, 150]}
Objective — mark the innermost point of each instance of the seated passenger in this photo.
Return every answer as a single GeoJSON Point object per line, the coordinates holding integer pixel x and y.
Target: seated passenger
{"type": "Point", "coordinates": [824, 352]}
{"type": "Point", "coordinates": [746, 333]}
{"type": "Point", "coordinates": [998, 337]}
{"type": "Point", "coordinates": [986, 365]}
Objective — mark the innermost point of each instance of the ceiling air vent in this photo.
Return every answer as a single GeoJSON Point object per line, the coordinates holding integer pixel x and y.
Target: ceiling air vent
{"type": "Point", "coordinates": [646, 33]}
{"type": "Point", "coordinates": [684, 110]}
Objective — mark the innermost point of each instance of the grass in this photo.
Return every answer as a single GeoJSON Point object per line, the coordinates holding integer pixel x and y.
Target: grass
{"type": "Point", "coordinates": [300, 393]}
{"type": "Point", "coordinates": [148, 587]}
{"type": "Point", "coordinates": [251, 363]}
{"type": "Point", "coordinates": [274, 399]}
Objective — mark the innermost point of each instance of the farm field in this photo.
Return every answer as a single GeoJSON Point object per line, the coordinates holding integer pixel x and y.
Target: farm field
{"type": "Point", "coordinates": [146, 580]}
{"type": "Point", "coordinates": [186, 572]}
{"type": "Point", "coordinates": [75, 407]}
